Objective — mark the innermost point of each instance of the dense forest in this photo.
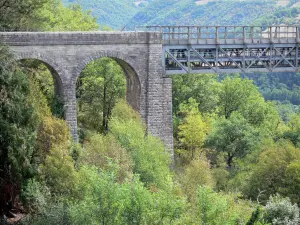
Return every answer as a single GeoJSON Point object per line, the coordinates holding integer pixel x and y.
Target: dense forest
{"type": "Point", "coordinates": [237, 142]}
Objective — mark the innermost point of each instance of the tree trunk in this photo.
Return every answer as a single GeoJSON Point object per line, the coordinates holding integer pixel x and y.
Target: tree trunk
{"type": "Point", "coordinates": [229, 160]}
{"type": "Point", "coordinates": [104, 113]}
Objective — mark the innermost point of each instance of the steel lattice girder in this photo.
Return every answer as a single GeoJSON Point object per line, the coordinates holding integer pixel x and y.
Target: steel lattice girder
{"type": "Point", "coordinates": [230, 58]}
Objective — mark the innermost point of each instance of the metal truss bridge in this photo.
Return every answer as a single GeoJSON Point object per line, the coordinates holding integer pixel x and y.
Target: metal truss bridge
{"type": "Point", "coordinates": [229, 49]}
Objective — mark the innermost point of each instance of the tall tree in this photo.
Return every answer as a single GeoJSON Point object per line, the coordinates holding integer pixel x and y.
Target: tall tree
{"type": "Point", "coordinates": [233, 136]}
{"type": "Point", "coordinates": [44, 15]}
{"type": "Point", "coordinates": [193, 129]}
{"type": "Point", "coordinates": [16, 14]}
{"type": "Point", "coordinates": [101, 84]}
{"type": "Point", "coordinates": [17, 130]}
{"type": "Point", "coordinates": [54, 16]}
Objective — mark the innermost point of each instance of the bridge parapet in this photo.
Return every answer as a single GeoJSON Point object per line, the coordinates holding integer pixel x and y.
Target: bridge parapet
{"type": "Point", "coordinates": [79, 38]}
{"type": "Point", "coordinates": [174, 35]}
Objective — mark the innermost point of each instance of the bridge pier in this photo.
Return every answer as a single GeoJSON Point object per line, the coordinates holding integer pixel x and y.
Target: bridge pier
{"type": "Point", "coordinates": [159, 118]}
{"type": "Point", "coordinates": [70, 108]}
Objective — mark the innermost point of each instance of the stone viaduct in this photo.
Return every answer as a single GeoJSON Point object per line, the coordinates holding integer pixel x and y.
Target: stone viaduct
{"type": "Point", "coordinates": [147, 57]}
{"type": "Point", "coordinates": [138, 53]}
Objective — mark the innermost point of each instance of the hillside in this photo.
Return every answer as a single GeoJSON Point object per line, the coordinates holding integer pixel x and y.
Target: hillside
{"type": "Point", "coordinates": [211, 12]}
{"type": "Point", "coordinates": [132, 13]}
{"type": "Point", "coordinates": [115, 14]}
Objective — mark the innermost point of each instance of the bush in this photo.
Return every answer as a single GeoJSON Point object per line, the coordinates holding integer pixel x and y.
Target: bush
{"type": "Point", "coordinates": [55, 213]}
{"type": "Point", "coordinates": [52, 132]}
{"type": "Point", "coordinates": [105, 201]}
{"type": "Point", "coordinates": [35, 195]}
{"type": "Point", "coordinates": [150, 159]}
{"type": "Point", "coordinates": [101, 150]}
{"type": "Point", "coordinates": [220, 208]}
{"type": "Point", "coordinates": [280, 211]}
{"type": "Point", "coordinates": [274, 172]}
{"type": "Point", "coordinates": [58, 171]}
{"type": "Point", "coordinates": [197, 173]}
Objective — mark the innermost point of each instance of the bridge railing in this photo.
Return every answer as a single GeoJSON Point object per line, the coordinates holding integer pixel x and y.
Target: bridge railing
{"type": "Point", "coordinates": [217, 34]}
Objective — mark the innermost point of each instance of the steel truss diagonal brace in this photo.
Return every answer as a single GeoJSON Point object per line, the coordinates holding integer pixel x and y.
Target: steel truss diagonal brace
{"type": "Point", "coordinates": [284, 57]}
{"type": "Point", "coordinates": [203, 59]}
{"type": "Point", "coordinates": [177, 62]}
{"type": "Point", "coordinates": [259, 60]}
{"type": "Point", "coordinates": [231, 59]}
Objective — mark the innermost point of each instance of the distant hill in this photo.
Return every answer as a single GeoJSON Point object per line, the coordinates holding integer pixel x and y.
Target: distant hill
{"type": "Point", "coordinates": [132, 13]}
{"type": "Point", "coordinates": [217, 12]}
{"type": "Point", "coordinates": [113, 13]}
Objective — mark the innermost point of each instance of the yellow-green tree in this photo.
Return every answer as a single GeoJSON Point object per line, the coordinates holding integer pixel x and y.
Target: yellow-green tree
{"type": "Point", "coordinates": [277, 171]}
{"type": "Point", "coordinates": [193, 129]}
{"type": "Point", "coordinates": [54, 16]}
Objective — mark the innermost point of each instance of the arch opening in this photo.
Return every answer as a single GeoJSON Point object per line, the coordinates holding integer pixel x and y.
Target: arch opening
{"type": "Point", "coordinates": [133, 90]}
{"type": "Point", "coordinates": [49, 82]}
{"type": "Point", "coordinates": [101, 83]}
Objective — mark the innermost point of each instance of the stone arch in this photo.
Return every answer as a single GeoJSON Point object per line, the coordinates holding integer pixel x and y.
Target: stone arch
{"type": "Point", "coordinates": [53, 67]}
{"type": "Point", "coordinates": [133, 91]}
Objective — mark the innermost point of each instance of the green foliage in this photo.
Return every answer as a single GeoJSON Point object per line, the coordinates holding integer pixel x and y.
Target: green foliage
{"type": "Point", "coordinates": [283, 15]}
{"type": "Point", "coordinates": [16, 15]}
{"type": "Point", "coordinates": [123, 177]}
{"type": "Point", "coordinates": [241, 95]}
{"type": "Point", "coordinates": [44, 15]}
{"type": "Point", "coordinates": [101, 84]}
{"type": "Point", "coordinates": [280, 211]}
{"type": "Point", "coordinates": [158, 12]}
{"type": "Point", "coordinates": [219, 208]}
{"type": "Point", "coordinates": [101, 151]}
{"type": "Point", "coordinates": [234, 136]}
{"type": "Point", "coordinates": [52, 132]}
{"type": "Point", "coordinates": [188, 12]}
{"type": "Point", "coordinates": [54, 16]}
{"type": "Point", "coordinates": [283, 87]}
{"type": "Point", "coordinates": [17, 121]}
{"type": "Point", "coordinates": [255, 217]}
{"type": "Point", "coordinates": [115, 14]}
{"type": "Point", "coordinates": [203, 88]}
{"type": "Point", "coordinates": [122, 112]}
{"type": "Point", "coordinates": [275, 172]}
{"type": "Point", "coordinates": [55, 213]}
{"type": "Point", "coordinates": [43, 87]}
{"type": "Point", "coordinates": [58, 171]}
{"type": "Point", "coordinates": [219, 12]}
{"type": "Point", "coordinates": [107, 202]}
{"type": "Point", "coordinates": [197, 173]}
{"type": "Point", "coordinates": [293, 133]}
{"type": "Point", "coordinates": [221, 177]}
{"type": "Point", "coordinates": [34, 195]}
{"type": "Point", "coordinates": [292, 181]}
{"type": "Point", "coordinates": [193, 129]}
{"type": "Point", "coordinates": [150, 160]}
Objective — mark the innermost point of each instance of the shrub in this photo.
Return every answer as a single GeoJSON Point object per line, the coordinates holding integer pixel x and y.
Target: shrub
{"type": "Point", "coordinates": [58, 171]}
{"type": "Point", "coordinates": [220, 208]}
{"type": "Point", "coordinates": [150, 159]}
{"type": "Point", "coordinates": [197, 173]}
{"type": "Point", "coordinates": [105, 201]}
{"type": "Point", "coordinates": [55, 213]}
{"type": "Point", "coordinates": [280, 211]}
{"type": "Point", "coordinates": [100, 151]}
{"type": "Point", "coordinates": [35, 195]}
